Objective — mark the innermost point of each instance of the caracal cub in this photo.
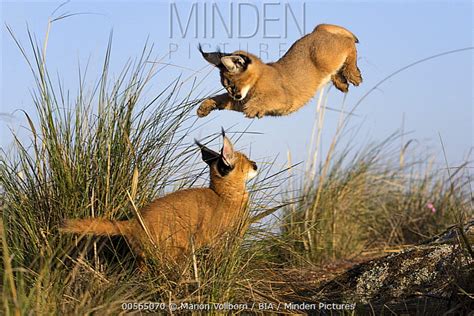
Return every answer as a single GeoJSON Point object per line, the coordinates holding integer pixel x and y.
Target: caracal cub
{"type": "Point", "coordinates": [280, 88]}
{"type": "Point", "coordinates": [197, 216]}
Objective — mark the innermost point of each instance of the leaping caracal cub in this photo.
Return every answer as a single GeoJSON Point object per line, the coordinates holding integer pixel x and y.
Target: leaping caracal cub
{"type": "Point", "coordinates": [200, 214]}
{"type": "Point", "coordinates": [258, 89]}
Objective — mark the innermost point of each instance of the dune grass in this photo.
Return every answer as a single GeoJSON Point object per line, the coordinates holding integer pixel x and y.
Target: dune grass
{"type": "Point", "coordinates": [368, 199]}
{"type": "Point", "coordinates": [106, 153]}
{"type": "Point", "coordinates": [109, 151]}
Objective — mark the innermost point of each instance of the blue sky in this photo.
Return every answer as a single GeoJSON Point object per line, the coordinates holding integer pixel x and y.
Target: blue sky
{"type": "Point", "coordinates": [431, 99]}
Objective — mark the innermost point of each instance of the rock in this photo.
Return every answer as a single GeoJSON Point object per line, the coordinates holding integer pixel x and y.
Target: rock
{"type": "Point", "coordinates": [432, 278]}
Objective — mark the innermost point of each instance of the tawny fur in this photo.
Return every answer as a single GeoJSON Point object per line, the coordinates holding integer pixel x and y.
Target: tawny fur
{"type": "Point", "coordinates": [258, 89]}
{"type": "Point", "coordinates": [198, 214]}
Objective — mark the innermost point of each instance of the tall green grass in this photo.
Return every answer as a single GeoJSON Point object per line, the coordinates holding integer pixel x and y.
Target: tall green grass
{"type": "Point", "coordinates": [91, 155]}
{"type": "Point", "coordinates": [106, 152]}
{"type": "Point", "coordinates": [380, 196]}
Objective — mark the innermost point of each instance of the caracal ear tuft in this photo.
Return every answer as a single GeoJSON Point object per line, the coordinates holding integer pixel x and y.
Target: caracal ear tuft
{"type": "Point", "coordinates": [213, 58]}
{"type": "Point", "coordinates": [233, 63]}
{"type": "Point", "coordinates": [227, 151]}
{"type": "Point", "coordinates": [208, 155]}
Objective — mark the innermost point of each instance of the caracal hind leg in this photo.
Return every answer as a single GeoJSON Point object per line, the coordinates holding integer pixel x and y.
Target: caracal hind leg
{"type": "Point", "coordinates": [350, 70]}
{"type": "Point", "coordinates": [140, 255]}
{"type": "Point", "coordinates": [340, 82]}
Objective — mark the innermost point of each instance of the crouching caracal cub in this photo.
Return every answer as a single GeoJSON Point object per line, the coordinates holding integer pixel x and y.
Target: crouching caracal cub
{"type": "Point", "coordinates": [258, 89]}
{"type": "Point", "coordinates": [198, 214]}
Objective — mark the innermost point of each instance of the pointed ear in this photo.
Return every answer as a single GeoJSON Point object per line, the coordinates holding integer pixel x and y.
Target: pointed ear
{"type": "Point", "coordinates": [213, 58]}
{"type": "Point", "coordinates": [233, 63]}
{"type": "Point", "coordinates": [227, 151]}
{"type": "Point", "coordinates": [208, 155]}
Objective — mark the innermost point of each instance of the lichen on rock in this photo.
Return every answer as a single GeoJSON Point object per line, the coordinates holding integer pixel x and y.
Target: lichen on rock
{"type": "Point", "coordinates": [432, 272]}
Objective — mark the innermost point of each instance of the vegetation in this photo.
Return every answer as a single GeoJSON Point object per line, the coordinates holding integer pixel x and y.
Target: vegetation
{"type": "Point", "coordinates": [371, 199]}
{"type": "Point", "coordinates": [108, 152]}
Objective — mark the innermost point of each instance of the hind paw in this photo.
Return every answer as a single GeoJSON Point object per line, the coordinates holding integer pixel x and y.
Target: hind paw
{"type": "Point", "coordinates": [354, 76]}
{"type": "Point", "coordinates": [340, 82]}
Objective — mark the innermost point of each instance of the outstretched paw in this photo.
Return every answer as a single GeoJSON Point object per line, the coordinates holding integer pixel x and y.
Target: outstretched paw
{"type": "Point", "coordinates": [206, 107]}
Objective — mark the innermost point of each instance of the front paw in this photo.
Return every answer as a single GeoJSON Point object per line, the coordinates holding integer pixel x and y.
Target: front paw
{"type": "Point", "coordinates": [206, 107]}
{"type": "Point", "coordinates": [253, 112]}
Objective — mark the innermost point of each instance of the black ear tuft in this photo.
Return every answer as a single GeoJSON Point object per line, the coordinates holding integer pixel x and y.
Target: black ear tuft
{"type": "Point", "coordinates": [213, 58]}
{"type": "Point", "coordinates": [209, 156]}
